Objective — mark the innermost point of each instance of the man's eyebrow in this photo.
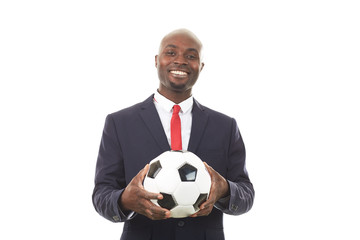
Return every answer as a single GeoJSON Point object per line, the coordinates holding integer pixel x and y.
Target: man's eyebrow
{"type": "Point", "coordinates": [193, 50]}
{"type": "Point", "coordinates": [189, 49]}
{"type": "Point", "coordinates": [171, 46]}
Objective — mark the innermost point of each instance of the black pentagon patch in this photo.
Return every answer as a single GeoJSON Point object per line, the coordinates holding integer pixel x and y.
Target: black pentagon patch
{"type": "Point", "coordinates": [187, 173]}
{"type": "Point", "coordinates": [201, 199]}
{"type": "Point", "coordinates": [167, 202]}
{"type": "Point", "coordinates": [154, 169]}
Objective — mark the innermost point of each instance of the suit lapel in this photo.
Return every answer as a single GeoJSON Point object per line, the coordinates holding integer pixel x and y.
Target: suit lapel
{"type": "Point", "coordinates": [152, 121]}
{"type": "Point", "coordinates": [200, 118]}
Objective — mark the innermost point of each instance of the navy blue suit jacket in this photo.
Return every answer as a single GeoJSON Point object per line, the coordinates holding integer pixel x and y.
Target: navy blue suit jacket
{"type": "Point", "coordinates": [134, 136]}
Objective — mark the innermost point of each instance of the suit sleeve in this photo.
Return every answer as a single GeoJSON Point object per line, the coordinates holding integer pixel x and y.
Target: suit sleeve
{"type": "Point", "coordinates": [109, 177]}
{"type": "Point", "coordinates": [242, 192]}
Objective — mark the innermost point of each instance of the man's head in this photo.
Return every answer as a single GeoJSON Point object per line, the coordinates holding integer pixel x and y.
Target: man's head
{"type": "Point", "coordinates": [179, 62]}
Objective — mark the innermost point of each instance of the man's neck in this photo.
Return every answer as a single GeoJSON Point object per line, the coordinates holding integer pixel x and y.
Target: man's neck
{"type": "Point", "coordinates": [176, 97]}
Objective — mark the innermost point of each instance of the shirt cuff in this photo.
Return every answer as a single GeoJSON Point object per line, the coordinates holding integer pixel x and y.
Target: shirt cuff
{"type": "Point", "coordinates": [126, 215]}
{"type": "Point", "coordinates": [223, 203]}
{"type": "Point", "coordinates": [121, 215]}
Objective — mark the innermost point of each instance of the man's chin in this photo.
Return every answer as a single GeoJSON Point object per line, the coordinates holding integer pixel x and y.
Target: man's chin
{"type": "Point", "coordinates": [178, 87]}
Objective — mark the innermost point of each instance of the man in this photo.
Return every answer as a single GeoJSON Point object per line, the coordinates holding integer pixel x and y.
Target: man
{"type": "Point", "coordinates": [134, 136]}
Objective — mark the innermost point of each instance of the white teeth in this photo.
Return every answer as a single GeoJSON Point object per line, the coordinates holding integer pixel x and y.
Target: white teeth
{"type": "Point", "coordinates": [179, 72]}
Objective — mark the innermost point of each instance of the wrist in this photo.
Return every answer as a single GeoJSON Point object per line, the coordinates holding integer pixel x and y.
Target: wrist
{"type": "Point", "coordinates": [226, 188]}
{"type": "Point", "coordinates": [122, 203]}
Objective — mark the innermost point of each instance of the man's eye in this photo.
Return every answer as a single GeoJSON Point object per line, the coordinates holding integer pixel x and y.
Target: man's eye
{"type": "Point", "coordinates": [191, 56]}
{"type": "Point", "coordinates": [170, 53]}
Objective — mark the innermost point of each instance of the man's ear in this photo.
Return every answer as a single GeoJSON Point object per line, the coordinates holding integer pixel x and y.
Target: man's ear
{"type": "Point", "coordinates": [202, 66]}
{"type": "Point", "coordinates": [156, 56]}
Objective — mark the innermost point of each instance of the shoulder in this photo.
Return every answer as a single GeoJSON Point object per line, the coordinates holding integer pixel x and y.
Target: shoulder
{"type": "Point", "coordinates": [132, 110]}
{"type": "Point", "coordinates": [213, 114]}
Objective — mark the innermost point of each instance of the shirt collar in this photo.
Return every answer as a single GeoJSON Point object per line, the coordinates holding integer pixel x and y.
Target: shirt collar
{"type": "Point", "coordinates": [167, 104]}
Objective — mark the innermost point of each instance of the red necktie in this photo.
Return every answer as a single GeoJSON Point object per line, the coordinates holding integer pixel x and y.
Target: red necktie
{"type": "Point", "coordinates": [175, 134]}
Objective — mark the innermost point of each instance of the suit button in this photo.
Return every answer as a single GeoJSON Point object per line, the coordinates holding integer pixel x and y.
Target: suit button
{"type": "Point", "coordinates": [234, 207]}
{"type": "Point", "coordinates": [116, 218]}
{"type": "Point", "coordinates": [181, 223]}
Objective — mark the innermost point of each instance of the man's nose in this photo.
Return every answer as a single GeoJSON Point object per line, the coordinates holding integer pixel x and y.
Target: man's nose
{"type": "Point", "coordinates": [181, 60]}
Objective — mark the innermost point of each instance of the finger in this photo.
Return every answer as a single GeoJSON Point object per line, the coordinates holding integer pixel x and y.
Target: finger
{"type": "Point", "coordinates": [151, 195]}
{"type": "Point", "coordinates": [198, 214]}
{"type": "Point", "coordinates": [209, 169]}
{"type": "Point", "coordinates": [203, 205]}
{"type": "Point", "coordinates": [139, 178]}
{"type": "Point", "coordinates": [143, 172]}
{"type": "Point", "coordinates": [156, 213]}
{"type": "Point", "coordinates": [216, 181]}
{"type": "Point", "coordinates": [208, 203]}
{"type": "Point", "coordinates": [159, 211]}
{"type": "Point", "coordinates": [202, 212]}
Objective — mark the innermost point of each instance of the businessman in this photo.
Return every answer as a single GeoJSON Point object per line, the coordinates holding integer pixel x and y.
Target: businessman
{"type": "Point", "coordinates": [132, 137]}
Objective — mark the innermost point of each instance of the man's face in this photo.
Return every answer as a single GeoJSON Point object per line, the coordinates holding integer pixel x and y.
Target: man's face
{"type": "Point", "coordinates": [178, 62]}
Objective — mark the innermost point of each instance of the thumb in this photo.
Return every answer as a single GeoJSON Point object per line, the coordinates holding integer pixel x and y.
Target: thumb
{"type": "Point", "coordinates": [209, 169]}
{"type": "Point", "coordinates": [139, 178]}
{"type": "Point", "coordinates": [143, 172]}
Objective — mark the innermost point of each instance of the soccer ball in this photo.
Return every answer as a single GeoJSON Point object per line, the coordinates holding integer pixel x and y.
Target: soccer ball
{"type": "Point", "coordinates": [182, 179]}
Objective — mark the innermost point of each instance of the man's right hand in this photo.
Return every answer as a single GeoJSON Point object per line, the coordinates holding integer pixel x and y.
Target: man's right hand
{"type": "Point", "coordinates": [136, 198]}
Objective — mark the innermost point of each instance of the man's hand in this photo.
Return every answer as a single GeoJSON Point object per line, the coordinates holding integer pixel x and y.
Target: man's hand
{"type": "Point", "coordinates": [136, 198]}
{"type": "Point", "coordinates": [219, 189]}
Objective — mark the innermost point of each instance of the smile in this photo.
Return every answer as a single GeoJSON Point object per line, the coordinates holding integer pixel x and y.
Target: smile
{"type": "Point", "coordinates": [180, 73]}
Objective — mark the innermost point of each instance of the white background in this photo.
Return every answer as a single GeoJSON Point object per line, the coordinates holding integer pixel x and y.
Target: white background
{"type": "Point", "coordinates": [288, 71]}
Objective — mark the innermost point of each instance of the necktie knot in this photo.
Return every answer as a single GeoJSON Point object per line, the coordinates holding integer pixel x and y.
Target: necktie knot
{"type": "Point", "coordinates": [176, 109]}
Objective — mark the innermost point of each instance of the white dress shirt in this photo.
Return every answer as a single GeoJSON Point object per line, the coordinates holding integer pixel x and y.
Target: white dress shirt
{"type": "Point", "coordinates": [164, 108]}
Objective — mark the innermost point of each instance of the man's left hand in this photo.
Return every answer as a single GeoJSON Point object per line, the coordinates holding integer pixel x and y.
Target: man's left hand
{"type": "Point", "coordinates": [219, 189]}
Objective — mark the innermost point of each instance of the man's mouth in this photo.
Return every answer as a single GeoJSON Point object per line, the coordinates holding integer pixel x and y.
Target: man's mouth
{"type": "Point", "coordinates": [178, 73]}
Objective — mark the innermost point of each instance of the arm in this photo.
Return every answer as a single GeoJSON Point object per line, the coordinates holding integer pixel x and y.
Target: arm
{"type": "Point", "coordinates": [110, 176]}
{"type": "Point", "coordinates": [113, 198]}
{"type": "Point", "coordinates": [241, 189]}
{"type": "Point", "coordinates": [234, 193]}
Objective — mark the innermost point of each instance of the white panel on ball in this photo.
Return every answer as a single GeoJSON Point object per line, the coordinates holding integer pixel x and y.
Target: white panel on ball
{"type": "Point", "coordinates": [203, 182]}
{"type": "Point", "coordinates": [186, 193]}
{"type": "Point", "coordinates": [167, 180]}
{"type": "Point", "coordinates": [182, 211]}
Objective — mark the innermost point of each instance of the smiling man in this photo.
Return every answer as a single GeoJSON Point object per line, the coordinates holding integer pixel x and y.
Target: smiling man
{"type": "Point", "coordinates": [178, 64]}
{"type": "Point", "coordinates": [132, 137]}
